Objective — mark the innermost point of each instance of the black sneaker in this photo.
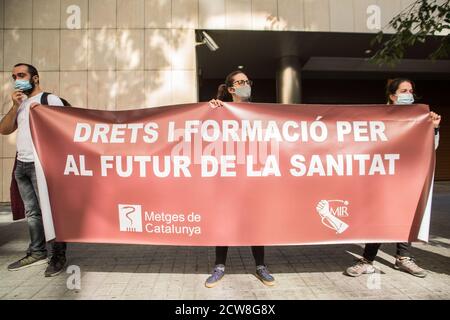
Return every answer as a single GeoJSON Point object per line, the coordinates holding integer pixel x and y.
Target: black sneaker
{"type": "Point", "coordinates": [26, 262]}
{"type": "Point", "coordinates": [56, 265]}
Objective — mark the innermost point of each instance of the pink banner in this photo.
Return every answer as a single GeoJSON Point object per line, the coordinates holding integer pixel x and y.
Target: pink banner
{"type": "Point", "coordinates": [242, 174]}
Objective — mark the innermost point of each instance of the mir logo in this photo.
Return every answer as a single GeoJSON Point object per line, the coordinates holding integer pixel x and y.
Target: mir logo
{"type": "Point", "coordinates": [130, 218]}
{"type": "Point", "coordinates": [341, 209]}
{"type": "Point", "coordinates": [329, 214]}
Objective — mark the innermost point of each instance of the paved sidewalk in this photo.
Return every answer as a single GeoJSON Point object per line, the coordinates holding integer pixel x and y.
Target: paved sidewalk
{"type": "Point", "coordinates": [165, 272]}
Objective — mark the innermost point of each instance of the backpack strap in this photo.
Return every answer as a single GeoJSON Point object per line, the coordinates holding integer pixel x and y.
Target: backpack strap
{"type": "Point", "coordinates": [65, 102]}
{"type": "Point", "coordinates": [44, 98]}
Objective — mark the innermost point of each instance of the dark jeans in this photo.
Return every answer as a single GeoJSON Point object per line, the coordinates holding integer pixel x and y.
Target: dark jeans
{"type": "Point", "coordinates": [371, 250]}
{"type": "Point", "coordinates": [258, 254]}
{"type": "Point", "coordinates": [25, 175]}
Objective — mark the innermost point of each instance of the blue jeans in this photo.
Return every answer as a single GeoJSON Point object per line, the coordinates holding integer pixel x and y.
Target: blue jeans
{"type": "Point", "coordinates": [25, 175]}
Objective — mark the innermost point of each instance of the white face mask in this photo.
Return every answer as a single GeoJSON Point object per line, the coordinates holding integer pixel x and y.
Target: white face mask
{"type": "Point", "coordinates": [244, 92]}
{"type": "Point", "coordinates": [404, 98]}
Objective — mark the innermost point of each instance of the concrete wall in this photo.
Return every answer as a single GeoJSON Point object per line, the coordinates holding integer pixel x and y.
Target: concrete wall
{"type": "Point", "coordinates": [121, 54]}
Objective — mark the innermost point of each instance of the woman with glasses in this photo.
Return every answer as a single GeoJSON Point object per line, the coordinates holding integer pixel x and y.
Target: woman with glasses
{"type": "Point", "coordinates": [237, 88]}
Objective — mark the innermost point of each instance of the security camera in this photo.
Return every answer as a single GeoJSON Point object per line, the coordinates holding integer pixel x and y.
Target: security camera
{"type": "Point", "coordinates": [210, 43]}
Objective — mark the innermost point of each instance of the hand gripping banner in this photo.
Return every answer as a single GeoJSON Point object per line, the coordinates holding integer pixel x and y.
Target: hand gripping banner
{"type": "Point", "coordinates": [242, 174]}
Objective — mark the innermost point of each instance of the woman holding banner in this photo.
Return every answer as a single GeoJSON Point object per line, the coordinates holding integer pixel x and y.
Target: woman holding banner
{"type": "Point", "coordinates": [237, 88]}
{"type": "Point", "coordinates": [399, 91]}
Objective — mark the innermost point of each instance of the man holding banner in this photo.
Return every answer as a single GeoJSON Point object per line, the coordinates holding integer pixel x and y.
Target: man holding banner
{"type": "Point", "coordinates": [26, 94]}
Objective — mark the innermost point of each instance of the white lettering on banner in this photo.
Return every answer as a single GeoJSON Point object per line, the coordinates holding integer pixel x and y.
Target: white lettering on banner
{"type": "Point", "coordinates": [210, 166]}
{"type": "Point", "coordinates": [290, 131]}
{"type": "Point", "coordinates": [72, 168]}
{"type": "Point", "coordinates": [166, 223]}
{"type": "Point", "coordinates": [270, 167]}
{"type": "Point", "coordinates": [341, 165]}
{"type": "Point", "coordinates": [230, 130]}
{"type": "Point", "coordinates": [172, 229]}
{"type": "Point", "coordinates": [164, 217]}
{"type": "Point", "coordinates": [225, 165]}
{"type": "Point", "coordinates": [115, 133]}
{"type": "Point", "coordinates": [247, 130]}
{"type": "Point", "coordinates": [216, 159]}
{"type": "Point", "coordinates": [363, 131]}
{"type": "Point", "coordinates": [177, 165]}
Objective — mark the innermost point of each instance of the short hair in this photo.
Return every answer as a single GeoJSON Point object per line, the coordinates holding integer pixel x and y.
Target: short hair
{"type": "Point", "coordinates": [31, 69]}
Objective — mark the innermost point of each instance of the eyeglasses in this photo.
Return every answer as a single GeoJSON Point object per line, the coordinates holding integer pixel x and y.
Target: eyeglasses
{"type": "Point", "coordinates": [242, 82]}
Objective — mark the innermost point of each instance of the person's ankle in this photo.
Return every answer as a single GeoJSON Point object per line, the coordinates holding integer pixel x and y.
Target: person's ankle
{"type": "Point", "coordinates": [220, 267]}
{"type": "Point", "coordinates": [260, 266]}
